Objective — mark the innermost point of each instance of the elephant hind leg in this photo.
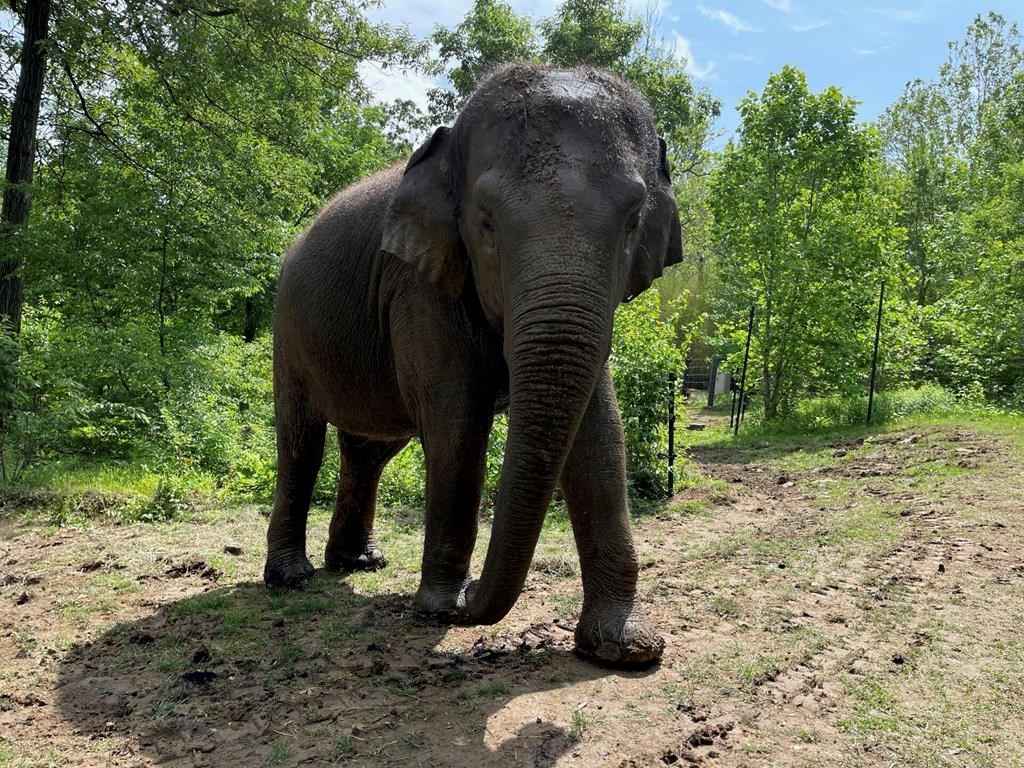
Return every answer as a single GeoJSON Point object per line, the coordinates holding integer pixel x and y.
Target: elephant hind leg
{"type": "Point", "coordinates": [300, 450]}
{"type": "Point", "coordinates": [350, 544]}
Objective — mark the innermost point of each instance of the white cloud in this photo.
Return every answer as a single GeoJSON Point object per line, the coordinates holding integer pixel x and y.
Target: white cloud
{"type": "Point", "coordinates": [390, 84]}
{"type": "Point", "coordinates": [906, 15]}
{"type": "Point", "coordinates": [744, 57]}
{"type": "Point", "coordinates": [684, 50]}
{"type": "Point", "coordinates": [786, 6]}
{"type": "Point", "coordinates": [810, 26]}
{"type": "Point", "coordinates": [730, 20]}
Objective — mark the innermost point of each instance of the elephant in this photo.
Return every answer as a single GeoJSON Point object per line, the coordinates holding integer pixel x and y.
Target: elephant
{"type": "Point", "coordinates": [483, 274]}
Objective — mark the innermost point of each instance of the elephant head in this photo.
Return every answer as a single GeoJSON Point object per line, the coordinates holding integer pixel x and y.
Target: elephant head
{"type": "Point", "coordinates": [550, 199]}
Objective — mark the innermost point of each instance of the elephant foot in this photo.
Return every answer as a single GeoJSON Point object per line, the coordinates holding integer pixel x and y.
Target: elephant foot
{"type": "Point", "coordinates": [285, 569]}
{"type": "Point", "coordinates": [444, 601]}
{"type": "Point", "coordinates": [617, 638]}
{"type": "Point", "coordinates": [370, 558]}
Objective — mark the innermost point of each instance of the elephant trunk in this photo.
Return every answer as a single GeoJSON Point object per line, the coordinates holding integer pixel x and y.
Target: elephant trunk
{"type": "Point", "coordinates": [558, 331]}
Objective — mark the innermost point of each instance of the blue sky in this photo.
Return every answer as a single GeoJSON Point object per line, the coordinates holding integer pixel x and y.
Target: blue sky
{"type": "Point", "coordinates": [869, 49]}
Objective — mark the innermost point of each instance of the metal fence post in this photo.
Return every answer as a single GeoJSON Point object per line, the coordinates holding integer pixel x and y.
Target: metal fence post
{"type": "Point", "coordinates": [874, 356]}
{"type": "Point", "coordinates": [743, 375]}
{"type": "Point", "coordinates": [711, 382]}
{"type": "Point", "coordinates": [671, 433]}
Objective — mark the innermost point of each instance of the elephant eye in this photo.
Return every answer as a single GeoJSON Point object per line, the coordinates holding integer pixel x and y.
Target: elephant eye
{"type": "Point", "coordinates": [487, 229]}
{"type": "Point", "coordinates": [633, 222]}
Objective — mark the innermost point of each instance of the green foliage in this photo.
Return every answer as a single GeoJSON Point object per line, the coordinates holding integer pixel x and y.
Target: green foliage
{"type": "Point", "coordinates": [594, 32]}
{"type": "Point", "coordinates": [644, 353]}
{"type": "Point", "coordinates": [955, 146]}
{"type": "Point", "coordinates": [806, 231]}
{"type": "Point", "coordinates": [837, 411]}
{"type": "Point", "coordinates": [580, 32]}
{"type": "Point", "coordinates": [490, 34]}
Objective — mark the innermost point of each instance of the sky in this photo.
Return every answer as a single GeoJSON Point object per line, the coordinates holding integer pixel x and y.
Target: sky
{"type": "Point", "coordinates": [870, 49]}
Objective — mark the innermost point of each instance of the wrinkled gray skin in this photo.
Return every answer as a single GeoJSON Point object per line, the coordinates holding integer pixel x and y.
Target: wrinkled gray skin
{"type": "Point", "coordinates": [485, 273]}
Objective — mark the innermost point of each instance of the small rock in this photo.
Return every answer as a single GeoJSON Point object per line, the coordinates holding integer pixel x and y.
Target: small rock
{"type": "Point", "coordinates": [942, 567]}
{"type": "Point", "coordinates": [92, 565]}
{"type": "Point", "coordinates": [23, 598]}
{"type": "Point", "coordinates": [898, 658]}
{"type": "Point", "coordinates": [278, 622]}
{"type": "Point", "coordinates": [232, 549]}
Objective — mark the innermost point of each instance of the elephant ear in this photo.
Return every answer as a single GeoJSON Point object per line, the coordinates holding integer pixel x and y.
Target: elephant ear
{"type": "Point", "coordinates": [420, 226]}
{"type": "Point", "coordinates": [661, 241]}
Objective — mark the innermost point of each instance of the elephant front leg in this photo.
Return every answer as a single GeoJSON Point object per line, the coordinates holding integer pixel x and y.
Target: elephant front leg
{"type": "Point", "coordinates": [610, 628]}
{"type": "Point", "coordinates": [350, 544]}
{"type": "Point", "coordinates": [456, 456]}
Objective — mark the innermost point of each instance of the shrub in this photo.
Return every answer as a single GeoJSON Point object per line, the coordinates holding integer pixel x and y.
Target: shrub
{"type": "Point", "coordinates": [823, 413]}
{"type": "Point", "coordinates": [644, 353]}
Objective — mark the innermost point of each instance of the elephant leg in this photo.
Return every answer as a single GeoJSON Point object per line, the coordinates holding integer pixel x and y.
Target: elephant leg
{"type": "Point", "coordinates": [593, 481]}
{"type": "Point", "coordinates": [350, 544]}
{"type": "Point", "coordinates": [300, 450]}
{"type": "Point", "coordinates": [456, 456]}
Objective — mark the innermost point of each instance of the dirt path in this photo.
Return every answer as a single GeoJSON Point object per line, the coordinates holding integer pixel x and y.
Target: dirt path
{"type": "Point", "coordinates": [858, 604]}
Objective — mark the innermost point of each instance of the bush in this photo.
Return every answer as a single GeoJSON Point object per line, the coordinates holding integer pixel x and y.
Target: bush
{"type": "Point", "coordinates": [824, 413]}
{"type": "Point", "coordinates": [644, 353]}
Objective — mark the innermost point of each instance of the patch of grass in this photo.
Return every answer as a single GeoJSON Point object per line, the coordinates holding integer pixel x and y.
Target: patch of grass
{"type": "Point", "coordinates": [496, 688]}
{"type": "Point", "coordinates": [342, 746]}
{"type": "Point", "coordinates": [562, 564]}
{"type": "Point", "coordinates": [876, 709]}
{"type": "Point", "coordinates": [757, 748]}
{"type": "Point", "coordinates": [114, 582]}
{"type": "Point", "coordinates": [279, 753]}
{"type": "Point", "coordinates": [755, 672]}
{"type": "Point", "coordinates": [684, 508]}
{"type": "Point", "coordinates": [725, 607]}
{"type": "Point", "coordinates": [208, 603]}
{"type": "Point", "coordinates": [579, 723]}
{"type": "Point", "coordinates": [568, 606]}
{"type": "Point", "coordinates": [415, 739]}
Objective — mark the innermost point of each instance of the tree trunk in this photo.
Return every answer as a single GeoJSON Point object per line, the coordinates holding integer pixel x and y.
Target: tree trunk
{"type": "Point", "coordinates": [21, 153]}
{"type": "Point", "coordinates": [249, 331]}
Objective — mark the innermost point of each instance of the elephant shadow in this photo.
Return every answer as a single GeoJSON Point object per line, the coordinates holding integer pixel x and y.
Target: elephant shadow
{"type": "Point", "coordinates": [245, 675]}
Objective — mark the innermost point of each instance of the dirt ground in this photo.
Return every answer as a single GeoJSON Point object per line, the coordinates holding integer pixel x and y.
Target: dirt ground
{"type": "Point", "coordinates": [831, 602]}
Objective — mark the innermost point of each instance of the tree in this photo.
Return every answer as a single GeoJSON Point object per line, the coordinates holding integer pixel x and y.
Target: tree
{"type": "Point", "coordinates": [977, 73]}
{"type": "Point", "coordinates": [979, 322]}
{"type": "Point", "coordinates": [490, 34]}
{"type": "Point", "coordinates": [182, 146]}
{"type": "Point", "coordinates": [805, 231]}
{"type": "Point", "coordinates": [593, 32]}
{"type": "Point", "coordinates": [207, 66]}
{"type": "Point", "coordinates": [21, 153]}
{"type": "Point", "coordinates": [941, 148]}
